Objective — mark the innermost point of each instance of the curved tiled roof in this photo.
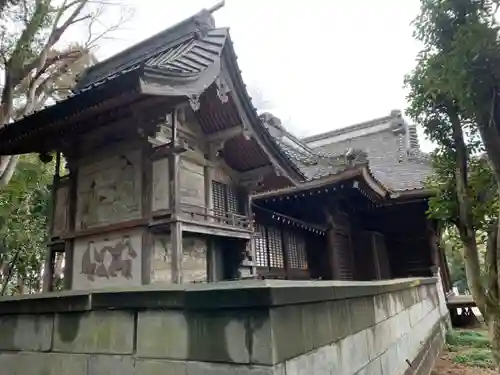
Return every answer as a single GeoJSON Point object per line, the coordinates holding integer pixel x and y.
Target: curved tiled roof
{"type": "Point", "coordinates": [408, 173]}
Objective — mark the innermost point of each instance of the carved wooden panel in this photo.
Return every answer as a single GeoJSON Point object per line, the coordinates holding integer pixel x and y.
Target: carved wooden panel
{"type": "Point", "coordinates": [109, 191]}
{"type": "Point", "coordinates": [194, 259]}
{"type": "Point", "coordinates": [108, 260]}
{"type": "Point", "coordinates": [61, 211]}
{"type": "Point", "coordinates": [161, 185]}
{"type": "Point", "coordinates": [192, 183]}
{"type": "Point", "coordinates": [162, 267]}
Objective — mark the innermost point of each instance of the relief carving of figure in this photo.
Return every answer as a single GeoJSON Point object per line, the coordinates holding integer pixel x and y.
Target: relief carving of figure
{"type": "Point", "coordinates": [127, 195]}
{"type": "Point", "coordinates": [110, 260]}
{"type": "Point", "coordinates": [111, 194]}
{"type": "Point", "coordinates": [89, 206]}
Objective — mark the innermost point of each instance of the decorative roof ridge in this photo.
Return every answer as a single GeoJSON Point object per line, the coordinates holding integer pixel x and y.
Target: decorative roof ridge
{"type": "Point", "coordinates": [177, 33]}
{"type": "Point", "coordinates": [351, 128]}
{"type": "Point", "coordinates": [310, 156]}
{"type": "Point", "coordinates": [418, 156]}
{"type": "Point", "coordinates": [351, 156]}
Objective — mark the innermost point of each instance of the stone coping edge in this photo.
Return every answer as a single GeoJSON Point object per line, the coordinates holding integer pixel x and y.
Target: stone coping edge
{"type": "Point", "coordinates": [220, 295]}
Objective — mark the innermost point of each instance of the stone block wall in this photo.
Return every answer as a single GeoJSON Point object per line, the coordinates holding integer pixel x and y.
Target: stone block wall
{"type": "Point", "coordinates": [252, 327]}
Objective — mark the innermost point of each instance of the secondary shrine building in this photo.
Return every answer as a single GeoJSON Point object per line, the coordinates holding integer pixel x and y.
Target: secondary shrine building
{"type": "Point", "coordinates": [166, 173]}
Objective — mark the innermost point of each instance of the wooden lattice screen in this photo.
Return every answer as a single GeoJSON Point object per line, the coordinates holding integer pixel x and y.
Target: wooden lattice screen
{"type": "Point", "coordinates": [271, 244]}
{"type": "Point", "coordinates": [261, 259]}
{"type": "Point", "coordinates": [275, 248]}
{"type": "Point", "coordinates": [219, 198]}
{"type": "Point", "coordinates": [231, 200]}
{"type": "Point", "coordinates": [296, 250]}
{"type": "Point", "coordinates": [225, 199]}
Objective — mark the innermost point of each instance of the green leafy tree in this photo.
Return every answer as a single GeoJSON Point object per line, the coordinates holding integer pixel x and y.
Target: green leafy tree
{"type": "Point", "coordinates": [454, 95]}
{"type": "Point", "coordinates": [24, 213]}
{"type": "Point", "coordinates": [37, 63]}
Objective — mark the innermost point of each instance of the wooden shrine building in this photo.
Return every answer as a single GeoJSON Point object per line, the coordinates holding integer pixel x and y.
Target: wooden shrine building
{"type": "Point", "coordinates": [359, 215]}
{"type": "Point", "coordinates": [167, 165]}
{"type": "Point", "coordinates": [163, 148]}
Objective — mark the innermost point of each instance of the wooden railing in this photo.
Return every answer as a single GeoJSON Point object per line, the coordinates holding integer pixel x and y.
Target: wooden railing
{"type": "Point", "coordinates": [198, 213]}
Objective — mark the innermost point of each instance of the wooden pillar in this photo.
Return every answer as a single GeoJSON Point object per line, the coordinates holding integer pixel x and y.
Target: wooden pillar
{"type": "Point", "coordinates": [147, 253]}
{"type": "Point", "coordinates": [253, 251]}
{"type": "Point", "coordinates": [48, 270]}
{"type": "Point", "coordinates": [176, 225]}
{"type": "Point", "coordinates": [376, 257]}
{"type": "Point", "coordinates": [69, 244]}
{"type": "Point", "coordinates": [432, 239]}
{"type": "Point", "coordinates": [209, 176]}
{"type": "Point", "coordinates": [284, 247]}
{"type": "Point", "coordinates": [332, 248]}
{"type": "Point", "coordinates": [211, 260]}
{"type": "Point", "coordinates": [176, 240]}
{"type": "Point", "coordinates": [55, 185]}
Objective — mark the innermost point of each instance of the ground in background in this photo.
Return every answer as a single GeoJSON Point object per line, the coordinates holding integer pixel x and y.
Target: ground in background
{"type": "Point", "coordinates": [467, 352]}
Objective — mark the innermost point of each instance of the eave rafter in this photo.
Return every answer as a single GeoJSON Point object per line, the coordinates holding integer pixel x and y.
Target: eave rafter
{"type": "Point", "coordinates": [358, 174]}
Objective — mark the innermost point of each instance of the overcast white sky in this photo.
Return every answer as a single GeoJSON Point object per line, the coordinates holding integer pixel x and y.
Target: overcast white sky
{"type": "Point", "coordinates": [319, 64]}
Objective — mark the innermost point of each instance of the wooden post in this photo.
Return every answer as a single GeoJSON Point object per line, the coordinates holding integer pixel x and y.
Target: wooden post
{"type": "Point", "coordinates": [209, 176]}
{"type": "Point", "coordinates": [433, 240]}
{"type": "Point", "coordinates": [176, 225]}
{"type": "Point", "coordinates": [147, 208]}
{"type": "Point", "coordinates": [55, 184]}
{"type": "Point", "coordinates": [284, 249]}
{"type": "Point", "coordinates": [249, 213]}
{"type": "Point", "coordinates": [48, 270]}
{"type": "Point", "coordinates": [176, 239]}
{"type": "Point", "coordinates": [332, 250]}
{"type": "Point", "coordinates": [375, 255]}
{"type": "Point", "coordinates": [69, 247]}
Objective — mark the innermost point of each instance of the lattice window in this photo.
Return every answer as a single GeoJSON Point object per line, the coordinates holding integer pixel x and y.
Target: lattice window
{"type": "Point", "coordinates": [225, 199]}
{"type": "Point", "coordinates": [232, 200]}
{"type": "Point", "coordinates": [219, 198]}
{"type": "Point", "coordinates": [275, 248]}
{"type": "Point", "coordinates": [296, 250]}
{"type": "Point", "coordinates": [261, 259]}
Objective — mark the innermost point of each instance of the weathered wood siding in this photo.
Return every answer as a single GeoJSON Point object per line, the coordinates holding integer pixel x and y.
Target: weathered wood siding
{"type": "Point", "coordinates": [161, 185]}
{"type": "Point", "coordinates": [192, 183]}
{"type": "Point", "coordinates": [109, 191]}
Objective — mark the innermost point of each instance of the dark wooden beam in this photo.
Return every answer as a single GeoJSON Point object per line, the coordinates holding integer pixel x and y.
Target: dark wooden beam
{"type": "Point", "coordinates": [175, 195]}
{"type": "Point", "coordinates": [147, 254]}
{"type": "Point", "coordinates": [224, 135]}
{"type": "Point", "coordinates": [167, 150]}
{"type": "Point", "coordinates": [69, 246]}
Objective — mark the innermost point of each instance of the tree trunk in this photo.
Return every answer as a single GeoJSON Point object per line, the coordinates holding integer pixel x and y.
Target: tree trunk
{"type": "Point", "coordinates": [493, 322]}
{"type": "Point", "coordinates": [7, 169]}
{"type": "Point", "coordinates": [465, 225]}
